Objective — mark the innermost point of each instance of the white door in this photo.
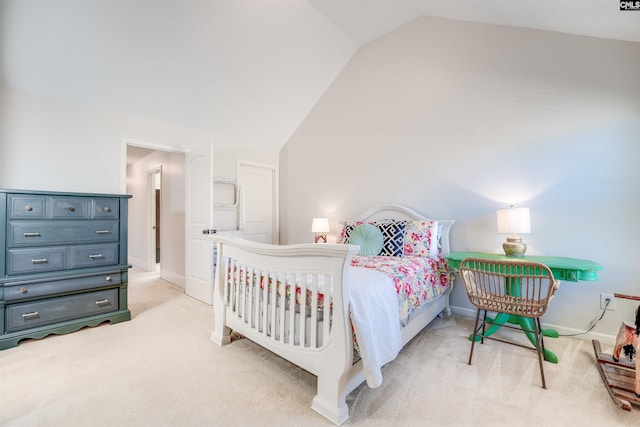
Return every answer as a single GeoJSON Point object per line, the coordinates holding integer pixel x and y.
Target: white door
{"type": "Point", "coordinates": [259, 202]}
{"type": "Point", "coordinates": [199, 222]}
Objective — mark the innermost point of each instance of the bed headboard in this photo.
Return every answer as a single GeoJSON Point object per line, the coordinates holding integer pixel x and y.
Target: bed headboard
{"type": "Point", "coordinates": [399, 212]}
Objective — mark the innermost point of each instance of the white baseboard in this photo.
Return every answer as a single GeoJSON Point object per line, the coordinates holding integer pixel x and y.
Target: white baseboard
{"type": "Point", "coordinates": [138, 263]}
{"type": "Point", "coordinates": [464, 311]}
{"type": "Point", "coordinates": [175, 279]}
{"type": "Point", "coordinates": [169, 276]}
{"type": "Point", "coordinates": [562, 330]}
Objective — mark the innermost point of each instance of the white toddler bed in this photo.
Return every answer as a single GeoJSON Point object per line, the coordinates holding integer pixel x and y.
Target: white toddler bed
{"type": "Point", "coordinates": [280, 297]}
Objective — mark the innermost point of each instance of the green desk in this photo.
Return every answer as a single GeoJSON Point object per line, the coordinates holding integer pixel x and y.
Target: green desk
{"type": "Point", "coordinates": [568, 269]}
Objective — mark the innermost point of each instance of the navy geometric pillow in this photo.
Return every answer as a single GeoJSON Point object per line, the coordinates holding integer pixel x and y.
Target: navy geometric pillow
{"type": "Point", "coordinates": [346, 231]}
{"type": "Point", "coordinates": [393, 233]}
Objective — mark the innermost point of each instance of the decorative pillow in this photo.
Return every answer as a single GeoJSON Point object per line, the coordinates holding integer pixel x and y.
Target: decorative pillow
{"type": "Point", "coordinates": [394, 234]}
{"type": "Point", "coordinates": [346, 231]}
{"type": "Point", "coordinates": [439, 235]}
{"type": "Point", "coordinates": [421, 238]}
{"type": "Point", "coordinates": [369, 237]}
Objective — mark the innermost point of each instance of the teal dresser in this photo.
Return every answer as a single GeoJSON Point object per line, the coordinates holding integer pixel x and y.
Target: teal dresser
{"type": "Point", "coordinates": [64, 263]}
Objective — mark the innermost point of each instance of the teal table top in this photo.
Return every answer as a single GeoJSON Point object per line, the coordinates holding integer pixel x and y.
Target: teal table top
{"type": "Point", "coordinates": [569, 269]}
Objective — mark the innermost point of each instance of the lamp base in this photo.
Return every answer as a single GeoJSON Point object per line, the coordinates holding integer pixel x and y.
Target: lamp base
{"type": "Point", "coordinates": [514, 246]}
{"type": "Point", "coordinates": [322, 238]}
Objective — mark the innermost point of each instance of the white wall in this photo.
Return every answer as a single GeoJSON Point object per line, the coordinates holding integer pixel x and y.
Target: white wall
{"type": "Point", "coordinates": [49, 144]}
{"type": "Point", "coordinates": [244, 71]}
{"type": "Point", "coordinates": [459, 119]}
{"type": "Point", "coordinates": [172, 211]}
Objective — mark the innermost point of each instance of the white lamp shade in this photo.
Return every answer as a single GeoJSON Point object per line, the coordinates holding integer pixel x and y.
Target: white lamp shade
{"type": "Point", "coordinates": [513, 220]}
{"type": "Point", "coordinates": [320, 225]}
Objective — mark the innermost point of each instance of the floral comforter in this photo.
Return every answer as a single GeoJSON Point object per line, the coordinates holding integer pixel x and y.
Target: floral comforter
{"type": "Point", "coordinates": [417, 279]}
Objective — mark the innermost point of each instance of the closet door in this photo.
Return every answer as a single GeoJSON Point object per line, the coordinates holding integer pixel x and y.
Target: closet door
{"type": "Point", "coordinates": [259, 202]}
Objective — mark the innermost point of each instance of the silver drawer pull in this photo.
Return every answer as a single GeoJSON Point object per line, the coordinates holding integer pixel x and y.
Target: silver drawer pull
{"type": "Point", "coordinates": [108, 279]}
{"type": "Point", "coordinates": [96, 256]}
{"type": "Point", "coordinates": [103, 302]}
{"type": "Point", "coordinates": [39, 261]}
{"type": "Point", "coordinates": [71, 209]}
{"type": "Point", "coordinates": [28, 208]}
{"type": "Point", "coordinates": [103, 231]}
{"type": "Point", "coordinates": [27, 316]}
{"type": "Point", "coordinates": [31, 234]}
{"type": "Point", "coordinates": [106, 209]}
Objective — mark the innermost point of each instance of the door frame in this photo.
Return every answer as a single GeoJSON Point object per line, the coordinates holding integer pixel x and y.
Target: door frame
{"type": "Point", "coordinates": [152, 216]}
{"type": "Point", "coordinates": [124, 142]}
{"type": "Point", "coordinates": [144, 144]}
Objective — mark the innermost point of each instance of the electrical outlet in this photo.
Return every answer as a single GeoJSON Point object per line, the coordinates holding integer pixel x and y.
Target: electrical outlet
{"type": "Point", "coordinates": [603, 301]}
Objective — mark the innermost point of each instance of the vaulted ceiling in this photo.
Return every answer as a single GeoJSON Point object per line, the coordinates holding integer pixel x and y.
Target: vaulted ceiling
{"type": "Point", "coordinates": [244, 72]}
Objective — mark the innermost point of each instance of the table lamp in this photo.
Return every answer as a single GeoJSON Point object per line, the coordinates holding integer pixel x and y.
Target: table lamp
{"type": "Point", "coordinates": [513, 221]}
{"type": "Point", "coordinates": [320, 226]}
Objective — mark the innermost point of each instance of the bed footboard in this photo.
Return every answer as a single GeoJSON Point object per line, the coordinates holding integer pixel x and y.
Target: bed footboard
{"type": "Point", "coordinates": [294, 301]}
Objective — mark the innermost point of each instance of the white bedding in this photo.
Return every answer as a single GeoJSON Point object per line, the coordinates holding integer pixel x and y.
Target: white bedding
{"type": "Point", "coordinates": [374, 315]}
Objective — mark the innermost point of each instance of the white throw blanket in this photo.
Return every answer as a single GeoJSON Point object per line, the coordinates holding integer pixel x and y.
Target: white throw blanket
{"type": "Point", "coordinates": [374, 315]}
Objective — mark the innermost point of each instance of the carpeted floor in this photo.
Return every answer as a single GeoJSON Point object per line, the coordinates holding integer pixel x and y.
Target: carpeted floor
{"type": "Point", "coordinates": [161, 369]}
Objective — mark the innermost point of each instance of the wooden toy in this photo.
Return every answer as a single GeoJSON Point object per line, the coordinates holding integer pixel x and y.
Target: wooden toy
{"type": "Point", "coordinates": [622, 377]}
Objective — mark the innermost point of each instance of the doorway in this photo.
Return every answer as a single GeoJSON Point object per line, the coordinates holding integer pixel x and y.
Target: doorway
{"type": "Point", "coordinates": [155, 179]}
{"type": "Point", "coordinates": [155, 239]}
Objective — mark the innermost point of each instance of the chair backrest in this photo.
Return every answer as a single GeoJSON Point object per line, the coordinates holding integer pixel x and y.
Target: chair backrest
{"type": "Point", "coordinates": [516, 287]}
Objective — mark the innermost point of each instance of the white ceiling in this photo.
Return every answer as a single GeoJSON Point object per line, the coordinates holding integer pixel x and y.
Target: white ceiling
{"type": "Point", "coordinates": [135, 153]}
{"type": "Point", "coordinates": [365, 20]}
{"type": "Point", "coordinates": [241, 72]}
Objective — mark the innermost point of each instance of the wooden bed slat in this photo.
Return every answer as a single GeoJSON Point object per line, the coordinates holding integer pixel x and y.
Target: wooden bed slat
{"type": "Point", "coordinates": [326, 315]}
{"type": "Point", "coordinates": [314, 313]}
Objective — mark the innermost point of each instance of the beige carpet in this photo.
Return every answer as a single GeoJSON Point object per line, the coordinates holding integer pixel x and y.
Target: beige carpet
{"type": "Point", "coordinates": [161, 369]}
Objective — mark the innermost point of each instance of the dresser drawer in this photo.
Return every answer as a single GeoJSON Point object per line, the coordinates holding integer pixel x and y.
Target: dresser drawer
{"type": "Point", "coordinates": [28, 315]}
{"type": "Point", "coordinates": [69, 207]}
{"type": "Point", "coordinates": [40, 233]}
{"type": "Point", "coordinates": [22, 261]}
{"type": "Point", "coordinates": [93, 255]}
{"type": "Point", "coordinates": [106, 208]}
{"type": "Point", "coordinates": [16, 292]}
{"type": "Point", "coordinates": [26, 206]}
{"type": "Point", "coordinates": [22, 206]}
{"type": "Point", "coordinates": [36, 260]}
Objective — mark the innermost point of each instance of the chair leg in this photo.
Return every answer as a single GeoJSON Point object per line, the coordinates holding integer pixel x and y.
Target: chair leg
{"type": "Point", "coordinates": [541, 339]}
{"type": "Point", "coordinates": [475, 334]}
{"type": "Point", "coordinates": [539, 347]}
{"type": "Point", "coordinates": [484, 326]}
